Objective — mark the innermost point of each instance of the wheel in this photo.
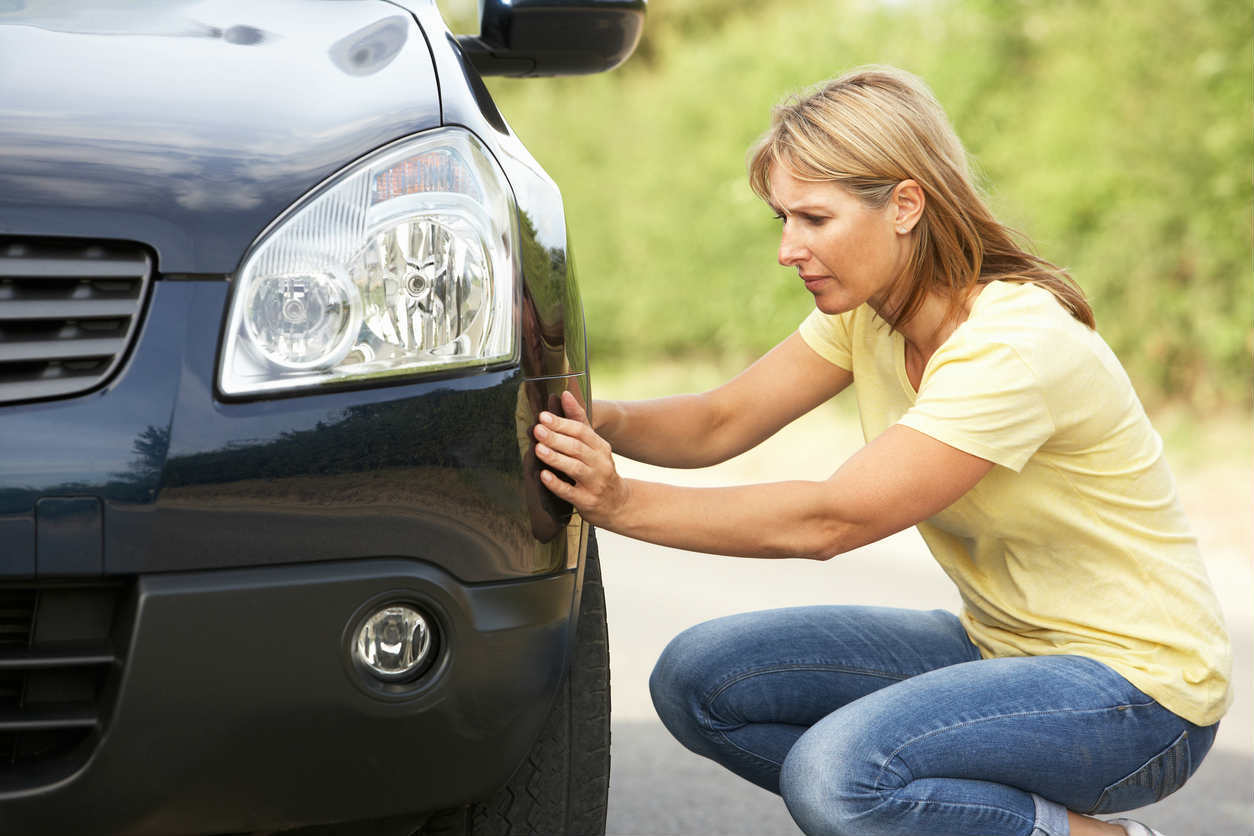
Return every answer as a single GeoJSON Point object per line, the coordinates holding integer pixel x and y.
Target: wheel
{"type": "Point", "coordinates": [562, 787]}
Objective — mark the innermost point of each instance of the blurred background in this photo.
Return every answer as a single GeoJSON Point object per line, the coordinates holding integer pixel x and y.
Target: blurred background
{"type": "Point", "coordinates": [1118, 135]}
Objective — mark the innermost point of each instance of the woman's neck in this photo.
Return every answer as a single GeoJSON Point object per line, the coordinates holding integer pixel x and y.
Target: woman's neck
{"type": "Point", "coordinates": [933, 322]}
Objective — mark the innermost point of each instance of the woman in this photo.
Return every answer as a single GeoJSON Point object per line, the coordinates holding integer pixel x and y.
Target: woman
{"type": "Point", "coordinates": [1089, 667]}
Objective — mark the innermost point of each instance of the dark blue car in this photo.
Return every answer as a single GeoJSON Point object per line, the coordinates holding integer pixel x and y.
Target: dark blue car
{"type": "Point", "coordinates": [281, 297]}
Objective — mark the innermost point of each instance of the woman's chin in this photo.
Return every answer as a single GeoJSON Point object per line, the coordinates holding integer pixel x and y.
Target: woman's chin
{"type": "Point", "coordinates": [832, 304]}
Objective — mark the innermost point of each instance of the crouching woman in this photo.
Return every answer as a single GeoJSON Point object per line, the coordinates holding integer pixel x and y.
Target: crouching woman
{"type": "Point", "coordinates": [1089, 666]}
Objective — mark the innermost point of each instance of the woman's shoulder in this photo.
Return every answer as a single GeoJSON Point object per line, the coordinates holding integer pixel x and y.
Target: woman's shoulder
{"type": "Point", "coordinates": [1063, 355]}
{"type": "Point", "coordinates": [1020, 305]}
{"type": "Point", "coordinates": [1029, 319]}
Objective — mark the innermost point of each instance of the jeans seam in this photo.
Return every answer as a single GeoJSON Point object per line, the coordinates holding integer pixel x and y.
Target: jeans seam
{"type": "Point", "coordinates": [742, 750]}
{"type": "Point", "coordinates": [969, 805]}
{"type": "Point", "coordinates": [799, 666]}
{"type": "Point", "coordinates": [709, 699]}
{"type": "Point", "coordinates": [1160, 794]}
{"type": "Point", "coordinates": [965, 805]}
{"type": "Point", "coordinates": [884, 767]}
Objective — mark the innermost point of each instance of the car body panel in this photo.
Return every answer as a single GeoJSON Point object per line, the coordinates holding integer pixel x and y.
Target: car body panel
{"type": "Point", "coordinates": [136, 146]}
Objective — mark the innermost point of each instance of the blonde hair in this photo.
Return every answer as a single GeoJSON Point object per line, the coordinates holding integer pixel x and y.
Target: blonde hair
{"type": "Point", "coordinates": [871, 129]}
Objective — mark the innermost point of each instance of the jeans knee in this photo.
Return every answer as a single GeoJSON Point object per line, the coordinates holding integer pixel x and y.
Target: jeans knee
{"type": "Point", "coordinates": [833, 786]}
{"type": "Point", "coordinates": [678, 684]}
{"type": "Point", "coordinates": [681, 681]}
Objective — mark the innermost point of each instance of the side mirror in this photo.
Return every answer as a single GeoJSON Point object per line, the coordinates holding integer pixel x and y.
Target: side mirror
{"type": "Point", "coordinates": [553, 37]}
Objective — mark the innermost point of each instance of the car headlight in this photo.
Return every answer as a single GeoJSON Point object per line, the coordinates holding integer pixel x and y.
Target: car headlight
{"type": "Point", "coordinates": [405, 262]}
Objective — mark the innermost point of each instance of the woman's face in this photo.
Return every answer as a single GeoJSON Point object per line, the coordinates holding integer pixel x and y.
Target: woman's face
{"type": "Point", "coordinates": [846, 252]}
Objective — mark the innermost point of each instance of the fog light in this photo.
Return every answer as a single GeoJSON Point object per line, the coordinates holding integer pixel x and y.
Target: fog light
{"type": "Point", "coordinates": [393, 643]}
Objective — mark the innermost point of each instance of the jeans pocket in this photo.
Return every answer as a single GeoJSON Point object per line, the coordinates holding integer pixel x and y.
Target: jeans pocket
{"type": "Point", "coordinates": [1158, 778]}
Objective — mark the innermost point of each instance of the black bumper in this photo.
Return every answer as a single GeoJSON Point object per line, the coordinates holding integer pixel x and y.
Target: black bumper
{"type": "Point", "coordinates": [235, 708]}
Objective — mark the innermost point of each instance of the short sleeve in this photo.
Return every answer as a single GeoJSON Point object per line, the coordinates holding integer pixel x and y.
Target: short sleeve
{"type": "Point", "coordinates": [829, 336]}
{"type": "Point", "coordinates": [983, 399]}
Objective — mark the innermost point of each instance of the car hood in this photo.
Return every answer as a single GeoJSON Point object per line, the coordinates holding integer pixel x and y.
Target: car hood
{"type": "Point", "coordinates": [189, 126]}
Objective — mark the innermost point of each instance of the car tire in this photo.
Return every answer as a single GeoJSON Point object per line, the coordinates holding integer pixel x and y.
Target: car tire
{"type": "Point", "coordinates": [562, 786]}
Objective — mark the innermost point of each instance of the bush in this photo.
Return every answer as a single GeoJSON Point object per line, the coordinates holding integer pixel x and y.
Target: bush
{"type": "Point", "coordinates": [1116, 134]}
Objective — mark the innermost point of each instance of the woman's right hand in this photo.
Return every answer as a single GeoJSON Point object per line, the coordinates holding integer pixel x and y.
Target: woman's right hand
{"type": "Point", "coordinates": [572, 446]}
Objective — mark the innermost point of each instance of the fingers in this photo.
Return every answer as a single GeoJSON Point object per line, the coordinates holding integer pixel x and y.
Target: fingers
{"type": "Point", "coordinates": [574, 409]}
{"type": "Point", "coordinates": [576, 416]}
{"type": "Point", "coordinates": [579, 429]}
{"type": "Point", "coordinates": [573, 467]}
{"type": "Point", "coordinates": [563, 452]}
{"type": "Point", "coordinates": [563, 443]}
{"type": "Point", "coordinates": [593, 493]}
{"type": "Point", "coordinates": [584, 475]}
{"type": "Point", "coordinates": [564, 490]}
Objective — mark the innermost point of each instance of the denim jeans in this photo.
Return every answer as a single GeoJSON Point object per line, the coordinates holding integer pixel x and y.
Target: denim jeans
{"type": "Point", "coordinates": [872, 721]}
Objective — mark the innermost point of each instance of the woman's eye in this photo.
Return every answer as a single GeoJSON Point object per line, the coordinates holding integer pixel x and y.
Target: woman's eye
{"type": "Point", "coordinates": [779, 216]}
{"type": "Point", "coordinates": [814, 220]}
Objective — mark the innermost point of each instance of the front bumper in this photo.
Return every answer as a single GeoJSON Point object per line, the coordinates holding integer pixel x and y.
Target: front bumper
{"type": "Point", "coordinates": [235, 708]}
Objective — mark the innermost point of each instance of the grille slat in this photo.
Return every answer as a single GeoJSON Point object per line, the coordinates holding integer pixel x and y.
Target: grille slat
{"type": "Point", "coordinates": [20, 309]}
{"type": "Point", "coordinates": [39, 350]}
{"type": "Point", "coordinates": [77, 658]}
{"type": "Point", "coordinates": [51, 718]}
{"type": "Point", "coordinates": [54, 388]}
{"type": "Point", "coordinates": [57, 660]}
{"type": "Point", "coordinates": [42, 262]}
{"type": "Point", "coordinates": [69, 311]}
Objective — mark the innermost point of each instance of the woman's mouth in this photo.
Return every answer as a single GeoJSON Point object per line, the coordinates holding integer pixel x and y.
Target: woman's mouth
{"type": "Point", "coordinates": [813, 282]}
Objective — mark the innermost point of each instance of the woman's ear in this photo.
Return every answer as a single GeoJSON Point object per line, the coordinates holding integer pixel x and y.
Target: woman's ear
{"type": "Point", "coordinates": [907, 201]}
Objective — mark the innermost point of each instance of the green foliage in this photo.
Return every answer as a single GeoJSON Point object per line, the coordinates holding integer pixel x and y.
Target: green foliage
{"type": "Point", "coordinates": [1116, 134]}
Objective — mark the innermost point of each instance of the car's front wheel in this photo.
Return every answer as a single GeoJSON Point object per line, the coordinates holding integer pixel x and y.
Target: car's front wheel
{"type": "Point", "coordinates": [562, 786]}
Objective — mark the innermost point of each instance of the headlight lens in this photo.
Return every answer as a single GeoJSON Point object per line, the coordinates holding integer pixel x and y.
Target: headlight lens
{"type": "Point", "coordinates": [406, 262]}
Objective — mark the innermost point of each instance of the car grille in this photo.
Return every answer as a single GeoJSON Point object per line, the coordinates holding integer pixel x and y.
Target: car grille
{"type": "Point", "coordinates": [58, 660]}
{"type": "Point", "coordinates": [68, 313]}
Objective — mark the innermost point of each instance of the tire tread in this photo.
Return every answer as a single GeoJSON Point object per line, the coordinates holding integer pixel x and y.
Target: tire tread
{"type": "Point", "coordinates": [562, 786]}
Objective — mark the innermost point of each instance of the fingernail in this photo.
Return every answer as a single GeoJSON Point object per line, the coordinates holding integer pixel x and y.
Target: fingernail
{"type": "Point", "coordinates": [541, 432]}
{"type": "Point", "coordinates": [541, 449]}
{"type": "Point", "coordinates": [546, 417]}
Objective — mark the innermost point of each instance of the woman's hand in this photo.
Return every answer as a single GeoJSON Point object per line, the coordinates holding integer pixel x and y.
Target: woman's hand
{"type": "Point", "coordinates": [571, 446]}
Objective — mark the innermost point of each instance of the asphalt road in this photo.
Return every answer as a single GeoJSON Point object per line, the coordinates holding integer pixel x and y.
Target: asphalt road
{"type": "Point", "coordinates": [658, 788]}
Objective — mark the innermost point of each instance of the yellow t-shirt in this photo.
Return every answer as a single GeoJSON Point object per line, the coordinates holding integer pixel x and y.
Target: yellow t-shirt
{"type": "Point", "coordinates": [1076, 543]}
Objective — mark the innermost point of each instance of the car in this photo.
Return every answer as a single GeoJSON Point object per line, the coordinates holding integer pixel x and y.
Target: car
{"type": "Point", "coordinates": [281, 297]}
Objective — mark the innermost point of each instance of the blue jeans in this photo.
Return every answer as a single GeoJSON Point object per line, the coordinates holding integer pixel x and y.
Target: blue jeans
{"type": "Point", "coordinates": [872, 721]}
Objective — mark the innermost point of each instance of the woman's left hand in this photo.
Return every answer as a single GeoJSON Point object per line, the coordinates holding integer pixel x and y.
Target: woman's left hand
{"type": "Point", "coordinates": [571, 446]}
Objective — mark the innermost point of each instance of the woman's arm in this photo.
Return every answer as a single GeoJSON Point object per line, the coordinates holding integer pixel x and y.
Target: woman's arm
{"type": "Point", "coordinates": [899, 479]}
{"type": "Point", "coordinates": [705, 429]}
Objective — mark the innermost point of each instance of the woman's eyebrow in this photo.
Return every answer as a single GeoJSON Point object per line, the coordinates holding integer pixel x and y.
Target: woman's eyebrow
{"type": "Point", "coordinates": [802, 208]}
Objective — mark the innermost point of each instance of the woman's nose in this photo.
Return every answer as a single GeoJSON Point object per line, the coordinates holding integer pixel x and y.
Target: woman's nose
{"type": "Point", "coordinates": [790, 252]}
